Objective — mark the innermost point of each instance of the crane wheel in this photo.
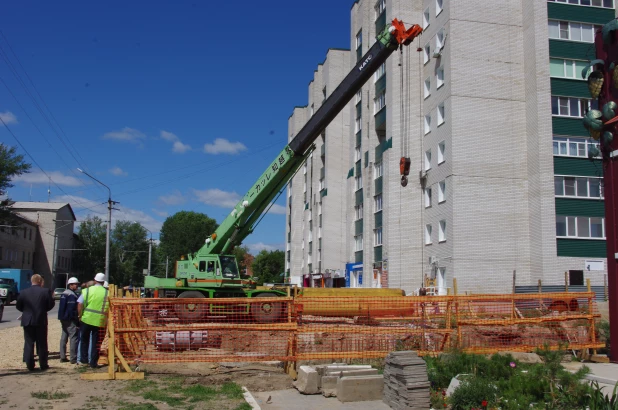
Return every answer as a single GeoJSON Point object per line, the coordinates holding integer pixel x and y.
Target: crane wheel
{"type": "Point", "coordinates": [267, 312]}
{"type": "Point", "coordinates": [191, 311]}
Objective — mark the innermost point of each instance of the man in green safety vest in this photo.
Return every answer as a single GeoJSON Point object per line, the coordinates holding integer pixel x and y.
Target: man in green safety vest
{"type": "Point", "coordinates": [92, 308]}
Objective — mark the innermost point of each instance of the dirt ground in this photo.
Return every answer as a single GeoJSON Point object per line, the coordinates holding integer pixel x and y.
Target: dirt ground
{"type": "Point", "coordinates": [166, 386]}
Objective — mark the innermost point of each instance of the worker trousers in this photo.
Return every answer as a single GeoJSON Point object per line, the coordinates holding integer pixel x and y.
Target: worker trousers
{"type": "Point", "coordinates": [89, 333]}
{"type": "Point", "coordinates": [35, 335]}
{"type": "Point", "coordinates": [70, 333]}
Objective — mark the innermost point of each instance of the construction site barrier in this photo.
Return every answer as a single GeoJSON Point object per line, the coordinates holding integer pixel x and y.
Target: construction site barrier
{"type": "Point", "coordinates": [292, 329]}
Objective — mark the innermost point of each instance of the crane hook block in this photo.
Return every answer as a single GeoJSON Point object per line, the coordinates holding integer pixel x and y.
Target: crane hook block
{"type": "Point", "coordinates": [403, 36]}
{"type": "Point", "coordinates": [404, 181]}
{"type": "Point", "coordinates": [404, 166]}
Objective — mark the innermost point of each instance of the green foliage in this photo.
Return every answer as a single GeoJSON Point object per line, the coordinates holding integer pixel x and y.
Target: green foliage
{"type": "Point", "coordinates": [268, 266]}
{"type": "Point", "coordinates": [11, 166]}
{"type": "Point", "coordinates": [184, 233]}
{"type": "Point", "coordinates": [141, 406]}
{"type": "Point", "coordinates": [232, 390]}
{"type": "Point", "coordinates": [129, 253]}
{"type": "Point", "coordinates": [91, 237]}
{"type": "Point", "coordinates": [244, 406]}
{"type": "Point", "coordinates": [472, 392]}
{"type": "Point", "coordinates": [243, 257]}
{"type": "Point", "coordinates": [597, 400]}
{"type": "Point", "coordinates": [50, 395]}
{"type": "Point", "coordinates": [603, 327]}
{"type": "Point", "coordinates": [164, 396]}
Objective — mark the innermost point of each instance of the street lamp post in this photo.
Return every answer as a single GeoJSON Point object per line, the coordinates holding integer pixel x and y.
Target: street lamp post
{"type": "Point", "coordinates": [149, 250]}
{"type": "Point", "coordinates": [110, 204]}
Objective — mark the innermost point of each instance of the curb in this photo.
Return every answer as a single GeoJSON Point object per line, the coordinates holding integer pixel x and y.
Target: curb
{"type": "Point", "coordinates": [250, 400]}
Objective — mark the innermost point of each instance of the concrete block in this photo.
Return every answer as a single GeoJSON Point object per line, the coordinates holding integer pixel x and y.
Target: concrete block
{"type": "Point", "coordinates": [307, 380]}
{"type": "Point", "coordinates": [360, 388]}
{"type": "Point", "coordinates": [329, 386]}
{"type": "Point", "coordinates": [358, 372]}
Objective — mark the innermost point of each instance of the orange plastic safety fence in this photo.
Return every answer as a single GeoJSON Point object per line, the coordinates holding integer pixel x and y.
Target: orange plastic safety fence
{"type": "Point", "coordinates": [309, 328]}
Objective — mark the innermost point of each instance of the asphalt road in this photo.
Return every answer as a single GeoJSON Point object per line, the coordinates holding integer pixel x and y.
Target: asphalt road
{"type": "Point", "coordinates": [9, 319]}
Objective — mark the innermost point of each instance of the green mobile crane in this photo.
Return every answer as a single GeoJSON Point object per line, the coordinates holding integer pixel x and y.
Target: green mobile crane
{"type": "Point", "coordinates": [212, 272]}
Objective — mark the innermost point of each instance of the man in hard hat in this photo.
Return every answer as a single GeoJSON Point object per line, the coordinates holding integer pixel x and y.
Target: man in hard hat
{"type": "Point", "coordinates": [92, 308]}
{"type": "Point", "coordinates": [67, 314]}
{"type": "Point", "coordinates": [34, 303]}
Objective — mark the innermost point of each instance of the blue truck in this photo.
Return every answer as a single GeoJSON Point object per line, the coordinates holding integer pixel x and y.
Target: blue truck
{"type": "Point", "coordinates": [12, 282]}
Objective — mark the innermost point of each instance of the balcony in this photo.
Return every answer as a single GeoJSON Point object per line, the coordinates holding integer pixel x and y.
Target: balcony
{"type": "Point", "coordinates": [381, 22]}
{"type": "Point", "coordinates": [358, 257]}
{"type": "Point", "coordinates": [380, 120]}
{"type": "Point", "coordinates": [358, 227]}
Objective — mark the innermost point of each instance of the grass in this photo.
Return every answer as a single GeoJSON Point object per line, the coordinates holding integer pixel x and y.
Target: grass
{"type": "Point", "coordinates": [164, 396]}
{"type": "Point", "coordinates": [139, 385]}
{"type": "Point", "coordinates": [142, 406]}
{"type": "Point", "coordinates": [50, 395]}
{"type": "Point", "coordinates": [244, 406]}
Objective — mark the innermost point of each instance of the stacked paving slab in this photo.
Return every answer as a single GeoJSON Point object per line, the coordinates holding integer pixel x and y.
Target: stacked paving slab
{"type": "Point", "coordinates": [406, 385]}
{"type": "Point", "coordinates": [346, 382]}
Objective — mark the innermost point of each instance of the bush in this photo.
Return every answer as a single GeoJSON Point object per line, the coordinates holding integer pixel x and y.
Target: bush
{"type": "Point", "coordinates": [475, 392]}
{"type": "Point", "coordinates": [599, 401]}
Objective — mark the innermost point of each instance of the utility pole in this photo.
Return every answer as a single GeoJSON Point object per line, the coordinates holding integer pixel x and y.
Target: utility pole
{"type": "Point", "coordinates": [167, 261]}
{"type": "Point", "coordinates": [149, 255]}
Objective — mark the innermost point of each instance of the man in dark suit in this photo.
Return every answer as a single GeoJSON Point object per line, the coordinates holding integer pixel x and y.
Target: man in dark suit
{"type": "Point", "coordinates": [34, 303]}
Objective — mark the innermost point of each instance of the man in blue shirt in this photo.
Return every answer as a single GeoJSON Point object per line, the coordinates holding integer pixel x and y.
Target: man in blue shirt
{"type": "Point", "coordinates": [69, 318]}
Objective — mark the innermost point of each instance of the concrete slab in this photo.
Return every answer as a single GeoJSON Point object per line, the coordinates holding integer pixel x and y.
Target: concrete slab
{"type": "Point", "coordinates": [292, 399]}
{"type": "Point", "coordinates": [308, 380]}
{"type": "Point", "coordinates": [359, 372]}
{"type": "Point", "coordinates": [329, 386]}
{"type": "Point", "coordinates": [360, 388]}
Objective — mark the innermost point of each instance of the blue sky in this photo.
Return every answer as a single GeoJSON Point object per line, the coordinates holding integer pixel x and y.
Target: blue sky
{"type": "Point", "coordinates": [176, 105]}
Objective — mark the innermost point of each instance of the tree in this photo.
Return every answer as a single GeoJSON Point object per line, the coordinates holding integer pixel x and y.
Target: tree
{"type": "Point", "coordinates": [91, 237]}
{"type": "Point", "coordinates": [184, 233]}
{"type": "Point", "coordinates": [11, 165]}
{"type": "Point", "coordinates": [268, 266]}
{"type": "Point", "coordinates": [244, 258]}
{"type": "Point", "coordinates": [129, 254]}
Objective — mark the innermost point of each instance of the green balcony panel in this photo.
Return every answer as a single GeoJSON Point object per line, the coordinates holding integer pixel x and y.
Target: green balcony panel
{"type": "Point", "coordinates": [366, 159]}
{"type": "Point", "coordinates": [358, 257]}
{"type": "Point", "coordinates": [306, 205]}
{"type": "Point", "coordinates": [358, 168]}
{"type": "Point", "coordinates": [580, 167]}
{"type": "Point", "coordinates": [380, 119]}
{"type": "Point", "coordinates": [322, 172]}
{"type": "Point", "coordinates": [351, 172]}
{"type": "Point", "coordinates": [595, 15]}
{"type": "Point", "coordinates": [580, 207]}
{"type": "Point", "coordinates": [358, 139]}
{"type": "Point", "coordinates": [383, 146]}
{"type": "Point", "coordinates": [381, 22]}
{"type": "Point", "coordinates": [358, 197]}
{"type": "Point", "coordinates": [569, 88]}
{"type": "Point", "coordinates": [377, 253]}
{"type": "Point", "coordinates": [378, 185]}
{"type": "Point", "coordinates": [569, 126]}
{"type": "Point", "coordinates": [323, 150]}
{"type": "Point", "coordinates": [378, 153]}
{"type": "Point", "coordinates": [570, 49]}
{"type": "Point", "coordinates": [359, 109]}
{"type": "Point", "coordinates": [358, 227]}
{"type": "Point", "coordinates": [323, 192]}
{"type": "Point", "coordinates": [380, 84]}
{"type": "Point", "coordinates": [377, 218]}
{"type": "Point", "coordinates": [582, 248]}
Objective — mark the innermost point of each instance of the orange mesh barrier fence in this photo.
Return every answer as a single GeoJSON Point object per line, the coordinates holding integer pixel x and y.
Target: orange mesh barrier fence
{"type": "Point", "coordinates": [309, 328]}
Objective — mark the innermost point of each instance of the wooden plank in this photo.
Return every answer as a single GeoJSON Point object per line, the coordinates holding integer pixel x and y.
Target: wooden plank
{"type": "Point", "coordinates": [123, 361]}
{"type": "Point", "coordinates": [350, 292]}
{"type": "Point", "coordinates": [212, 326]}
{"type": "Point", "coordinates": [534, 320]}
{"type": "Point", "coordinates": [96, 376]}
{"type": "Point", "coordinates": [342, 355]}
{"type": "Point", "coordinates": [130, 376]}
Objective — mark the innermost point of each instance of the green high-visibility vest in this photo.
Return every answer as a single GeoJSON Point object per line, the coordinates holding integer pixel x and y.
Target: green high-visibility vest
{"type": "Point", "coordinates": [95, 306]}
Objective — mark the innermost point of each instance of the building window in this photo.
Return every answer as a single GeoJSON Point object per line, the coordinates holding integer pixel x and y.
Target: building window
{"type": "Point", "coordinates": [442, 231]}
{"type": "Point", "coordinates": [427, 194]}
{"type": "Point", "coordinates": [381, 71]}
{"type": "Point", "coordinates": [358, 243]}
{"type": "Point", "coordinates": [358, 212]}
{"type": "Point", "coordinates": [439, 6]}
{"type": "Point", "coordinates": [358, 182]}
{"type": "Point", "coordinates": [439, 41]}
{"type": "Point", "coordinates": [358, 124]}
{"type": "Point", "coordinates": [571, 106]}
{"type": "Point", "coordinates": [440, 77]}
{"type": "Point", "coordinates": [426, 18]}
{"type": "Point", "coordinates": [427, 123]}
{"type": "Point", "coordinates": [580, 227]}
{"type": "Point", "coordinates": [359, 96]}
{"type": "Point", "coordinates": [426, 53]}
{"type": "Point", "coordinates": [608, 4]}
{"type": "Point", "coordinates": [378, 170]}
{"type": "Point", "coordinates": [567, 30]}
{"type": "Point", "coordinates": [359, 39]}
{"type": "Point", "coordinates": [440, 114]}
{"type": "Point", "coordinates": [573, 147]}
{"type": "Point", "coordinates": [379, 102]}
{"type": "Point", "coordinates": [441, 149]}
{"type": "Point", "coordinates": [441, 191]}
{"type": "Point", "coordinates": [427, 88]}
{"type": "Point", "coordinates": [357, 154]}
{"type": "Point", "coordinates": [427, 160]}
{"type": "Point", "coordinates": [428, 234]}
{"type": "Point", "coordinates": [562, 68]}
{"type": "Point", "coordinates": [380, 7]}
{"type": "Point", "coordinates": [377, 237]}
{"type": "Point", "coordinates": [312, 110]}
{"type": "Point", "coordinates": [30, 234]}
{"type": "Point", "coordinates": [377, 202]}
{"type": "Point", "coordinates": [578, 187]}
{"type": "Point", "coordinates": [25, 232]}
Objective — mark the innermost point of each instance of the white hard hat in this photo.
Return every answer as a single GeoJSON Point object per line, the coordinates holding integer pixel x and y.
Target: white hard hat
{"type": "Point", "coordinates": [99, 277]}
{"type": "Point", "coordinates": [105, 284]}
{"type": "Point", "coordinates": [73, 280]}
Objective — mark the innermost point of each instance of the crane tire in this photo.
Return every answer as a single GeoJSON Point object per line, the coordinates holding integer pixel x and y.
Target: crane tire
{"type": "Point", "coordinates": [267, 312]}
{"type": "Point", "coordinates": [191, 311]}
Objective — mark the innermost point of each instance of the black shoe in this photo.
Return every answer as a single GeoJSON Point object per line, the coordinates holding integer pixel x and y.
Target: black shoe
{"type": "Point", "coordinates": [94, 366]}
{"type": "Point", "coordinates": [73, 361]}
{"type": "Point", "coordinates": [43, 368]}
{"type": "Point", "coordinates": [64, 360]}
{"type": "Point", "coordinates": [32, 369]}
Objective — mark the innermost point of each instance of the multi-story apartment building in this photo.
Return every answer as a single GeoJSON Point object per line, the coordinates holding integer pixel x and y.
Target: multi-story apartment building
{"type": "Point", "coordinates": [488, 111]}
{"type": "Point", "coordinates": [17, 243]}
{"type": "Point", "coordinates": [316, 195]}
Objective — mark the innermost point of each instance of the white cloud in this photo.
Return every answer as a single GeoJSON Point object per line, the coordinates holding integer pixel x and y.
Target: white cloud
{"type": "Point", "coordinates": [178, 147]}
{"type": "Point", "coordinates": [217, 197]}
{"type": "Point", "coordinates": [162, 214]}
{"type": "Point", "coordinates": [277, 210]}
{"type": "Point", "coordinates": [118, 172]}
{"type": "Point", "coordinates": [37, 177]}
{"type": "Point", "coordinates": [255, 248]}
{"type": "Point", "coordinates": [8, 117]}
{"type": "Point", "coordinates": [126, 135]}
{"type": "Point", "coordinates": [85, 207]}
{"type": "Point", "coordinates": [223, 146]}
{"type": "Point", "coordinates": [175, 198]}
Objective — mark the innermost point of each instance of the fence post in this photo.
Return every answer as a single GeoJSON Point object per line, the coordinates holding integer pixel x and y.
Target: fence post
{"type": "Point", "coordinates": [566, 281]}
{"type": "Point", "coordinates": [593, 335]}
{"type": "Point", "coordinates": [457, 313]}
{"type": "Point", "coordinates": [513, 296]}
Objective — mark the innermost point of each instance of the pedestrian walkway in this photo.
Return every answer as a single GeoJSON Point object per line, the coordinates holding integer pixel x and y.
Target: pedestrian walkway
{"type": "Point", "coordinates": [606, 374]}
{"type": "Point", "coordinates": [292, 399]}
